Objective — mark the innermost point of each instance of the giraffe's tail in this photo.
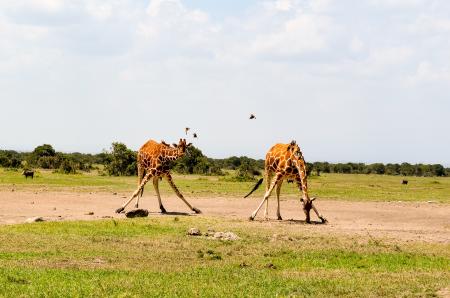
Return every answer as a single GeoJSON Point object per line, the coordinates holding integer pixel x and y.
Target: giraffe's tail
{"type": "Point", "coordinates": [255, 187]}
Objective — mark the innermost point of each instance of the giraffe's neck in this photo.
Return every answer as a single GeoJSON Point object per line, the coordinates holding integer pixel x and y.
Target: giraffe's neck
{"type": "Point", "coordinates": [301, 166]}
{"type": "Point", "coordinates": [171, 154]}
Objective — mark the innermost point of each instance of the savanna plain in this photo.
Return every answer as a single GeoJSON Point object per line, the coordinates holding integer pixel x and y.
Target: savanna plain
{"type": "Point", "coordinates": [382, 239]}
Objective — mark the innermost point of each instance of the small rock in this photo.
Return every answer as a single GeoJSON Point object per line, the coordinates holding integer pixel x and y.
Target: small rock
{"type": "Point", "coordinates": [194, 232]}
{"type": "Point", "coordinates": [210, 232]}
{"type": "Point", "coordinates": [226, 236]}
{"type": "Point", "coordinates": [137, 213]}
{"type": "Point", "coordinates": [114, 193]}
{"type": "Point", "coordinates": [271, 266]}
{"type": "Point", "coordinates": [89, 213]}
{"type": "Point", "coordinates": [431, 202]}
{"type": "Point", "coordinates": [54, 208]}
{"type": "Point", "coordinates": [243, 265]}
{"type": "Point", "coordinates": [34, 219]}
{"type": "Point", "coordinates": [107, 216]}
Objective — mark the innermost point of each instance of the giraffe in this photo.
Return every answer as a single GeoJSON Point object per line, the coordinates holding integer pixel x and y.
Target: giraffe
{"type": "Point", "coordinates": [285, 161]}
{"type": "Point", "coordinates": [153, 163]}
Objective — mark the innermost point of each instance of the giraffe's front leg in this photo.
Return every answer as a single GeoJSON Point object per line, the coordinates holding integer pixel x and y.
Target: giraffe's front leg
{"type": "Point", "coordinates": [136, 193]}
{"type": "Point", "coordinates": [178, 193]}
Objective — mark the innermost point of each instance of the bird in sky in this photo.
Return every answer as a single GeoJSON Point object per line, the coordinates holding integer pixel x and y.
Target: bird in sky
{"type": "Point", "coordinates": [195, 135]}
{"type": "Point", "coordinates": [252, 116]}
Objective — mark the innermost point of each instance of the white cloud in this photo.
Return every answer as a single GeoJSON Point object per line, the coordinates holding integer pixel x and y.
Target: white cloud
{"type": "Point", "coordinates": [301, 34]}
{"type": "Point", "coordinates": [426, 72]}
{"type": "Point", "coordinates": [356, 45]}
{"type": "Point", "coordinates": [397, 3]}
{"type": "Point", "coordinates": [335, 58]}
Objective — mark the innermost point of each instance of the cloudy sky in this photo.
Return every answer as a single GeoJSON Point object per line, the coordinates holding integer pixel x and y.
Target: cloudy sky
{"type": "Point", "coordinates": [350, 80]}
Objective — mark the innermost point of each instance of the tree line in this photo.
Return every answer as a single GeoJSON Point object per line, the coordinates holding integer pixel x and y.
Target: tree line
{"type": "Point", "coordinates": [121, 161]}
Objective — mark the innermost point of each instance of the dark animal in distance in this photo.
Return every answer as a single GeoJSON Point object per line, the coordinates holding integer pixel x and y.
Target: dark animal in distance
{"type": "Point", "coordinates": [252, 116]}
{"type": "Point", "coordinates": [405, 182]}
{"type": "Point", "coordinates": [28, 173]}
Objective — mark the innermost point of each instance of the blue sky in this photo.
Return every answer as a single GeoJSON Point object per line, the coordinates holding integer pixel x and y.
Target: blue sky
{"type": "Point", "coordinates": [364, 81]}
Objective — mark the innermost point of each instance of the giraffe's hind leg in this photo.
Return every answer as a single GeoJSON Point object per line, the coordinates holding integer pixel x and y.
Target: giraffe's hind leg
{"type": "Point", "coordinates": [136, 193]}
{"type": "Point", "coordinates": [175, 189]}
{"type": "Point", "coordinates": [155, 184]}
{"type": "Point", "coordinates": [278, 199]}
{"type": "Point", "coordinates": [266, 195]}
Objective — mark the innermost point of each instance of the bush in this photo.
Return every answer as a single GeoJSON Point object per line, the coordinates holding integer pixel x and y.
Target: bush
{"type": "Point", "coordinates": [121, 161]}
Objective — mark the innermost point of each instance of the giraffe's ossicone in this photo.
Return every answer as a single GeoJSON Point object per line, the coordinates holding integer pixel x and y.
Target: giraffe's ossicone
{"type": "Point", "coordinates": [154, 163]}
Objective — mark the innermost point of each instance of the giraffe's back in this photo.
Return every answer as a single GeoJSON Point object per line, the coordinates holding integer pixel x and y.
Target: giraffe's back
{"type": "Point", "coordinates": [149, 153]}
{"type": "Point", "coordinates": [278, 160]}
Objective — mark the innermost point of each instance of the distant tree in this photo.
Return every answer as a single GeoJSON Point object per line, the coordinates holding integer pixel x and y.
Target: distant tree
{"type": "Point", "coordinates": [392, 169]}
{"type": "Point", "coordinates": [406, 169]}
{"type": "Point", "coordinates": [44, 150]}
{"type": "Point", "coordinates": [121, 161]}
{"type": "Point", "coordinates": [377, 168]}
{"type": "Point", "coordinates": [438, 170]}
{"type": "Point", "coordinates": [189, 161]}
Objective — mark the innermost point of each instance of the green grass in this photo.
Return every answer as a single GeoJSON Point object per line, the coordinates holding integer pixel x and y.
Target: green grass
{"type": "Point", "coordinates": [333, 186]}
{"type": "Point", "coordinates": [154, 257]}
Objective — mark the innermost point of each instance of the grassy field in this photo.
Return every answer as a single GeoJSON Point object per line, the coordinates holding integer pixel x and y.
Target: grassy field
{"type": "Point", "coordinates": [332, 186]}
{"type": "Point", "coordinates": [155, 257]}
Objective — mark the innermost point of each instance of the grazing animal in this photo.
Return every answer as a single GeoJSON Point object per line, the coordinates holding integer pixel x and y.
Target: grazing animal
{"type": "Point", "coordinates": [252, 116]}
{"type": "Point", "coordinates": [28, 173]}
{"type": "Point", "coordinates": [153, 163]}
{"type": "Point", "coordinates": [285, 161]}
{"type": "Point", "coordinates": [404, 181]}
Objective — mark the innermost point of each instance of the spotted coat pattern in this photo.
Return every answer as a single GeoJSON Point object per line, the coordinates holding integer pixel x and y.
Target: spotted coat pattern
{"type": "Point", "coordinates": [154, 163]}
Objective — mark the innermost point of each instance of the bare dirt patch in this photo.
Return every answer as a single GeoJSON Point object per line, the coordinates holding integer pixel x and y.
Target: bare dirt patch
{"type": "Point", "coordinates": [428, 222]}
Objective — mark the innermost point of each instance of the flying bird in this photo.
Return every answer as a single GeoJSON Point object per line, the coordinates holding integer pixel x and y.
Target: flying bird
{"type": "Point", "coordinates": [194, 135]}
{"type": "Point", "coordinates": [252, 116]}
{"type": "Point", "coordinates": [186, 130]}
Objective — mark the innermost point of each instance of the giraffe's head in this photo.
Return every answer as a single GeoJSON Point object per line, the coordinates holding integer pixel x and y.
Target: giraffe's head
{"type": "Point", "coordinates": [182, 146]}
{"type": "Point", "coordinates": [307, 206]}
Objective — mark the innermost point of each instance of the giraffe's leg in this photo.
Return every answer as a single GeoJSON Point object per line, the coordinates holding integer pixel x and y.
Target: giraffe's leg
{"type": "Point", "coordinates": [268, 178]}
{"type": "Point", "coordinates": [266, 195]}
{"type": "Point", "coordinates": [278, 199]}
{"type": "Point", "coordinates": [175, 189]}
{"type": "Point", "coordinates": [323, 219]}
{"type": "Point", "coordinates": [155, 184]}
{"type": "Point", "coordinates": [141, 174]}
{"type": "Point", "coordinates": [136, 193]}
{"type": "Point", "coordinates": [306, 211]}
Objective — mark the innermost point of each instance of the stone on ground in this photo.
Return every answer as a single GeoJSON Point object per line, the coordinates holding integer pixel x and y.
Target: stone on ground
{"type": "Point", "coordinates": [137, 213]}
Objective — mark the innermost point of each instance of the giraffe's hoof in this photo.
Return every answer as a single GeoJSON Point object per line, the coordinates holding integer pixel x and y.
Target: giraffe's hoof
{"type": "Point", "coordinates": [136, 206]}
{"type": "Point", "coordinates": [280, 218]}
{"type": "Point", "coordinates": [197, 211]}
{"type": "Point", "coordinates": [120, 210]}
{"type": "Point", "coordinates": [323, 219]}
{"type": "Point", "coordinates": [251, 218]}
{"type": "Point", "coordinates": [163, 210]}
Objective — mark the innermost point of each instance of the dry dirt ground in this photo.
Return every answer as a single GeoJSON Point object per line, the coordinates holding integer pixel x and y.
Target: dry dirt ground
{"type": "Point", "coordinates": [428, 222]}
